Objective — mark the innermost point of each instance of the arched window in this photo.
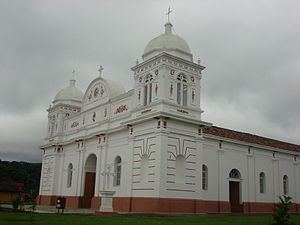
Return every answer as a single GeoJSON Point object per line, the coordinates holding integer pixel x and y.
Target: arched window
{"type": "Point", "coordinates": [262, 183]}
{"type": "Point", "coordinates": [182, 90]}
{"type": "Point", "coordinates": [148, 89]}
{"type": "Point", "coordinates": [285, 185]}
{"type": "Point", "coordinates": [235, 174]}
{"type": "Point", "coordinates": [180, 169]}
{"type": "Point", "coordinates": [117, 170]}
{"type": "Point", "coordinates": [204, 177]}
{"type": "Point", "coordinates": [144, 167]}
{"type": "Point", "coordinates": [70, 174]}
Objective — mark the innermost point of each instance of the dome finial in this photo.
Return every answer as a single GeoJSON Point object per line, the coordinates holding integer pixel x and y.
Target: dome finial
{"type": "Point", "coordinates": [72, 81]}
{"type": "Point", "coordinates": [168, 14]}
{"type": "Point", "coordinates": [100, 70]}
{"type": "Point", "coordinates": [168, 25]}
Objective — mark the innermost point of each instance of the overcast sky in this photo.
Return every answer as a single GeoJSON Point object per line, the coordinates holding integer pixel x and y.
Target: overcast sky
{"type": "Point", "coordinates": [251, 50]}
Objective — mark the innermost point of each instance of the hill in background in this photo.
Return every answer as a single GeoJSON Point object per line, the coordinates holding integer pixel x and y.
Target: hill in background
{"type": "Point", "coordinates": [22, 172]}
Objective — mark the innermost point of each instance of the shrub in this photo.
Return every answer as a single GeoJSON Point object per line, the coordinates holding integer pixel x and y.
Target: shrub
{"type": "Point", "coordinates": [15, 203]}
{"type": "Point", "coordinates": [281, 215]}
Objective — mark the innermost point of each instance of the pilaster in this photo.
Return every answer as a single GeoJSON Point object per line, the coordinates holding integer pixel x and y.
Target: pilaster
{"type": "Point", "coordinates": [162, 148]}
{"type": "Point", "coordinates": [199, 162]}
{"type": "Point", "coordinates": [98, 171]}
{"type": "Point", "coordinates": [276, 180]}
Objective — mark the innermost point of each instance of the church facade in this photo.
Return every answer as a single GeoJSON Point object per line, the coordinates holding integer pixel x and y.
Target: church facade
{"type": "Point", "coordinates": [150, 146]}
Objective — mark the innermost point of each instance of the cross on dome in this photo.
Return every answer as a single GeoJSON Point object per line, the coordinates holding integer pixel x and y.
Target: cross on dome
{"type": "Point", "coordinates": [100, 70]}
{"type": "Point", "coordinates": [73, 74]}
{"type": "Point", "coordinates": [72, 81]}
{"type": "Point", "coordinates": [168, 13]}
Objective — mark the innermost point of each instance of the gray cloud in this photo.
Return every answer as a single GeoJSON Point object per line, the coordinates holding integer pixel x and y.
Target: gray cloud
{"type": "Point", "coordinates": [250, 49]}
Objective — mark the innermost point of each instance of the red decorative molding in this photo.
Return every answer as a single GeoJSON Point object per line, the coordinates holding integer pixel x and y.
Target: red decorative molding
{"type": "Point", "coordinates": [121, 108]}
{"type": "Point", "coordinates": [182, 111]}
{"type": "Point", "coordinates": [146, 111]}
{"type": "Point", "coordinates": [101, 91]}
{"type": "Point", "coordinates": [75, 124]}
{"type": "Point", "coordinates": [193, 95]}
{"type": "Point", "coordinates": [130, 128]}
{"type": "Point", "coordinates": [171, 89]}
{"type": "Point", "coordinates": [199, 131]}
{"type": "Point", "coordinates": [90, 96]}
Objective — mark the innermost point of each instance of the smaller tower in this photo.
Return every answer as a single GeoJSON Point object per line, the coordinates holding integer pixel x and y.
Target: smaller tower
{"type": "Point", "coordinates": [66, 102]}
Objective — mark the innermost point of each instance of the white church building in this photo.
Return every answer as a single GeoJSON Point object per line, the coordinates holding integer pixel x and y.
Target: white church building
{"type": "Point", "coordinates": [150, 147]}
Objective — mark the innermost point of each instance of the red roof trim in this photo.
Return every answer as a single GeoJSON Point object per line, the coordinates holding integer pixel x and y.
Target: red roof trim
{"type": "Point", "coordinates": [250, 138]}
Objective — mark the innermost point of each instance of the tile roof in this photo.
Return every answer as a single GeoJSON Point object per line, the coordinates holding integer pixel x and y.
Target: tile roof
{"type": "Point", "coordinates": [250, 138]}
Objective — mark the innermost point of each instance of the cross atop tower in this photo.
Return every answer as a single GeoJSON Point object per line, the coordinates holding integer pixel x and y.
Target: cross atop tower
{"type": "Point", "coordinates": [100, 70]}
{"type": "Point", "coordinates": [168, 14]}
{"type": "Point", "coordinates": [73, 74]}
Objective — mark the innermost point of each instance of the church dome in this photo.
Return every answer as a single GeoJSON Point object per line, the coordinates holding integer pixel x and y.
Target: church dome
{"type": "Point", "coordinates": [70, 93]}
{"type": "Point", "coordinates": [169, 43]}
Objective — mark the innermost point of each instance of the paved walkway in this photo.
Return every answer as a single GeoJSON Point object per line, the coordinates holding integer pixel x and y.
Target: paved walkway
{"type": "Point", "coordinates": [52, 209]}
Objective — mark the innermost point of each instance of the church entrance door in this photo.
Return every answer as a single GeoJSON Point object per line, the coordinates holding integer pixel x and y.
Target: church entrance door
{"type": "Point", "coordinates": [234, 196]}
{"type": "Point", "coordinates": [89, 189]}
{"type": "Point", "coordinates": [234, 191]}
{"type": "Point", "coordinates": [89, 184]}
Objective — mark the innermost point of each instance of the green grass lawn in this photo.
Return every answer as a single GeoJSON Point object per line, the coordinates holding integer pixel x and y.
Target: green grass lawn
{"type": "Point", "coordinates": [10, 218]}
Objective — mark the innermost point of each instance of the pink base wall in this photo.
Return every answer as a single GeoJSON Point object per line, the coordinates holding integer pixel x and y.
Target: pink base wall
{"type": "Point", "coordinates": [167, 205]}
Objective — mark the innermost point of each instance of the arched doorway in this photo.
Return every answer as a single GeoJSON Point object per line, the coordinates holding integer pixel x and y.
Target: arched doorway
{"type": "Point", "coordinates": [89, 183]}
{"type": "Point", "coordinates": [235, 191]}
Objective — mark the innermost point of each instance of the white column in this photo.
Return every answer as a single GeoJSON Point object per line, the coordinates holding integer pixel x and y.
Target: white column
{"type": "Point", "coordinates": [105, 156]}
{"type": "Point", "coordinates": [56, 175]}
{"type": "Point", "coordinates": [222, 181]}
{"type": "Point", "coordinates": [254, 179]}
{"type": "Point", "coordinates": [80, 175]}
{"type": "Point", "coordinates": [276, 180]}
{"type": "Point", "coordinates": [250, 178]}
{"type": "Point", "coordinates": [161, 162]}
{"type": "Point", "coordinates": [199, 162]}
{"type": "Point", "coordinates": [98, 171]}
{"type": "Point", "coordinates": [61, 170]}
{"type": "Point", "coordinates": [131, 148]}
{"type": "Point", "coordinates": [297, 181]}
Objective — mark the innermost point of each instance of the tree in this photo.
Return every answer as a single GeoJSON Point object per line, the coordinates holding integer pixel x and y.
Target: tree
{"type": "Point", "coordinates": [22, 172]}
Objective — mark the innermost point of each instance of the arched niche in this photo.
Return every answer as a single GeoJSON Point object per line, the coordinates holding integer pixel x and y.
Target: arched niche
{"type": "Point", "coordinates": [99, 91]}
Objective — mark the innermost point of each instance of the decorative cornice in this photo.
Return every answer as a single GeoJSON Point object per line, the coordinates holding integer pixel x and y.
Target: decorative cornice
{"type": "Point", "coordinates": [161, 56]}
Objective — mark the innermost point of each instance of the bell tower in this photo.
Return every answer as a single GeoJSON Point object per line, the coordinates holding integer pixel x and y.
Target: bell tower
{"type": "Point", "coordinates": [168, 74]}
